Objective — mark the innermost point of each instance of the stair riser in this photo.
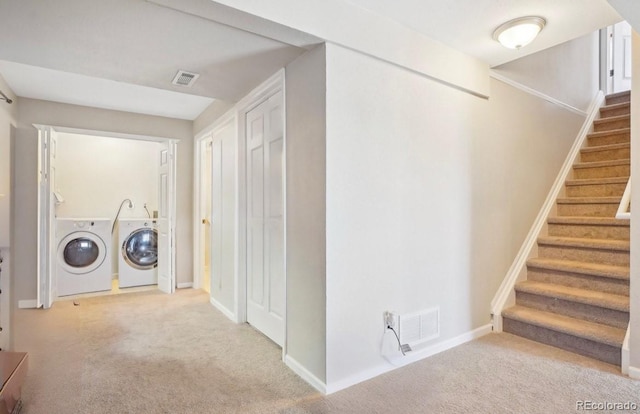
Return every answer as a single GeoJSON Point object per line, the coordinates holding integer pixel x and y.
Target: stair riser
{"type": "Point", "coordinates": [589, 210]}
{"type": "Point", "coordinates": [573, 309]}
{"type": "Point", "coordinates": [605, 113]}
{"type": "Point", "coordinates": [609, 125]}
{"type": "Point", "coordinates": [618, 99]}
{"type": "Point", "coordinates": [581, 254]}
{"type": "Point", "coordinates": [580, 281]}
{"type": "Point", "coordinates": [606, 155]}
{"type": "Point", "coordinates": [619, 138]}
{"type": "Point", "coordinates": [589, 231]}
{"type": "Point", "coordinates": [596, 190]}
{"type": "Point", "coordinates": [591, 349]}
{"type": "Point", "coordinates": [602, 172]}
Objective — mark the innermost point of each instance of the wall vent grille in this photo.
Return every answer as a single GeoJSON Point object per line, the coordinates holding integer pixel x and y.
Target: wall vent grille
{"type": "Point", "coordinates": [184, 78]}
{"type": "Point", "coordinates": [416, 328]}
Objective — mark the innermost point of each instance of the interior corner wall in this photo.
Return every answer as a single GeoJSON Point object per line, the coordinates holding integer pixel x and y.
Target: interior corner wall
{"type": "Point", "coordinates": [213, 112]}
{"type": "Point", "coordinates": [73, 116]}
{"type": "Point", "coordinates": [634, 312]}
{"type": "Point", "coordinates": [569, 72]}
{"type": "Point", "coordinates": [430, 193]}
{"type": "Point", "coordinates": [306, 212]}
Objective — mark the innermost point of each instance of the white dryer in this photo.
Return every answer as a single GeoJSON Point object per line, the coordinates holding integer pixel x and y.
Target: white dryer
{"type": "Point", "coordinates": [83, 255]}
{"type": "Point", "coordinates": [138, 258]}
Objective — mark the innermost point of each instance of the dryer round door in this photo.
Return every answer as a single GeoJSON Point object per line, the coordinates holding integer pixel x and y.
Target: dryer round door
{"type": "Point", "coordinates": [81, 252]}
{"type": "Point", "coordinates": [140, 249]}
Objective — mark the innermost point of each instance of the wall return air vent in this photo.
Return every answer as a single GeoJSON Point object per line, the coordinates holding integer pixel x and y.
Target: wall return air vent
{"type": "Point", "coordinates": [184, 78]}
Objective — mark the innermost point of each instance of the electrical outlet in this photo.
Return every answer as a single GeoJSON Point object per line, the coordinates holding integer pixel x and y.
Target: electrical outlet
{"type": "Point", "coordinates": [389, 319]}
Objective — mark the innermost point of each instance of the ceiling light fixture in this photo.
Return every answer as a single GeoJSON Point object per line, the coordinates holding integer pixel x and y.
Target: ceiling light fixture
{"type": "Point", "coordinates": [517, 33]}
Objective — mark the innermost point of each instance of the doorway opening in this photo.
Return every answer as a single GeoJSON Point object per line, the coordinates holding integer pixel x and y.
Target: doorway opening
{"type": "Point", "coordinates": [615, 58]}
{"type": "Point", "coordinates": [106, 212]}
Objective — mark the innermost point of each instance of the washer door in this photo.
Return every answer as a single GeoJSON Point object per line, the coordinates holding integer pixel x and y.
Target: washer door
{"type": "Point", "coordinates": [140, 249]}
{"type": "Point", "coordinates": [81, 252]}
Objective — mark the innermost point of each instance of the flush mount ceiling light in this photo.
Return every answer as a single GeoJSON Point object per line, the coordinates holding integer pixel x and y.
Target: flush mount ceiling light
{"type": "Point", "coordinates": [517, 33]}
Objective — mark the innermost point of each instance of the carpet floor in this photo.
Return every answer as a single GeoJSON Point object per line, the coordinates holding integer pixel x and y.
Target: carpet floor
{"type": "Point", "coordinates": [147, 352]}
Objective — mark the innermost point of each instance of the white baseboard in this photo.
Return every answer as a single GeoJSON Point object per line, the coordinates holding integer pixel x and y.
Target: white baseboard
{"type": "Point", "coordinates": [634, 372]}
{"type": "Point", "coordinates": [226, 312]}
{"type": "Point", "coordinates": [304, 373]}
{"type": "Point", "coordinates": [28, 304]}
{"type": "Point", "coordinates": [184, 285]}
{"type": "Point", "coordinates": [410, 358]}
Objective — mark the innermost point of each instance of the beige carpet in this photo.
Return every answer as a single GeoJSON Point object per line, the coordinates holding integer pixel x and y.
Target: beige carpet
{"type": "Point", "coordinates": [152, 353]}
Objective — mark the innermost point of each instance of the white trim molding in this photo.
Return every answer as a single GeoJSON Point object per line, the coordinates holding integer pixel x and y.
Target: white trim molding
{"type": "Point", "coordinates": [624, 353]}
{"type": "Point", "coordinates": [414, 356]}
{"type": "Point", "coordinates": [27, 304]}
{"type": "Point", "coordinates": [505, 295]}
{"type": "Point", "coordinates": [226, 312]}
{"type": "Point", "coordinates": [536, 93]}
{"type": "Point", "coordinates": [624, 209]}
{"type": "Point", "coordinates": [184, 285]}
{"type": "Point", "coordinates": [634, 372]}
{"type": "Point", "coordinates": [305, 374]}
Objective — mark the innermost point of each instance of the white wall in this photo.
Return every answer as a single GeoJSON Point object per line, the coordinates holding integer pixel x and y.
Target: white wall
{"type": "Point", "coordinates": [306, 212]}
{"type": "Point", "coordinates": [568, 72]}
{"type": "Point", "coordinates": [95, 174]}
{"type": "Point", "coordinates": [429, 194]}
{"type": "Point", "coordinates": [73, 116]}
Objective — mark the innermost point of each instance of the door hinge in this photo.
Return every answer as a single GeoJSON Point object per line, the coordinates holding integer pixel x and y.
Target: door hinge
{"type": "Point", "coordinates": [611, 72]}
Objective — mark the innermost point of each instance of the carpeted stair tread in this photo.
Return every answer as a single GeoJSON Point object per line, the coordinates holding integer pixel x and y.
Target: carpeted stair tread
{"type": "Point", "coordinates": [589, 200]}
{"type": "Point", "coordinates": [609, 132]}
{"type": "Point", "coordinates": [615, 106]}
{"type": "Point", "coordinates": [612, 119]}
{"type": "Point", "coordinates": [624, 96]}
{"type": "Point", "coordinates": [597, 181]}
{"type": "Point", "coordinates": [586, 268]}
{"type": "Point", "coordinates": [573, 294]}
{"type": "Point", "coordinates": [619, 245]}
{"type": "Point", "coordinates": [607, 147]}
{"type": "Point", "coordinates": [596, 332]}
{"type": "Point", "coordinates": [597, 164]}
{"type": "Point", "coordinates": [598, 221]}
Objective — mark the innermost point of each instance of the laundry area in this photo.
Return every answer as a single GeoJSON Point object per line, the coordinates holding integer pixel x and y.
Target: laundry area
{"type": "Point", "coordinates": [106, 199]}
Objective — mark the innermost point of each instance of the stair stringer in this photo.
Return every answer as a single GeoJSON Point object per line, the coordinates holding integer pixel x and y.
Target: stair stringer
{"type": "Point", "coordinates": [505, 296]}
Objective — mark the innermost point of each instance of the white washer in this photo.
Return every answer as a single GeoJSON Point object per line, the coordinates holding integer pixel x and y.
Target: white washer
{"type": "Point", "coordinates": [83, 255]}
{"type": "Point", "coordinates": [138, 255]}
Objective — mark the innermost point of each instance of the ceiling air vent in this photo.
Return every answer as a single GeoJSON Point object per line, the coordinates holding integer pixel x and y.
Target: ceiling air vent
{"type": "Point", "coordinates": [184, 78]}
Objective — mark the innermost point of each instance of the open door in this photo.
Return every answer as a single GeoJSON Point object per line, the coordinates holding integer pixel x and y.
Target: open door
{"type": "Point", "coordinates": [619, 58]}
{"type": "Point", "coordinates": [166, 254]}
{"type": "Point", "coordinates": [206, 220]}
{"type": "Point", "coordinates": [47, 146]}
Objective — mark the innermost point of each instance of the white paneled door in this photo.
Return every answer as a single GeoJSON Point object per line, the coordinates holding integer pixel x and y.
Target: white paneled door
{"type": "Point", "coordinates": [166, 256]}
{"type": "Point", "coordinates": [265, 218]}
{"type": "Point", "coordinates": [47, 151]}
{"type": "Point", "coordinates": [621, 76]}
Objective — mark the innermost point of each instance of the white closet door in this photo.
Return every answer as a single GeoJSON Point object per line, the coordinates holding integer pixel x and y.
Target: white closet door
{"type": "Point", "coordinates": [165, 220]}
{"type": "Point", "coordinates": [265, 218]}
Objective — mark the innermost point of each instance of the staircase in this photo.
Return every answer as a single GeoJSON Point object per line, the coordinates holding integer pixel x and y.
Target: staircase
{"type": "Point", "coordinates": [576, 295]}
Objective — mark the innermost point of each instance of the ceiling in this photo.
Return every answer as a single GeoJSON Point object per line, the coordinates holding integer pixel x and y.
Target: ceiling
{"type": "Point", "coordinates": [468, 25]}
{"type": "Point", "coordinates": [123, 54]}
